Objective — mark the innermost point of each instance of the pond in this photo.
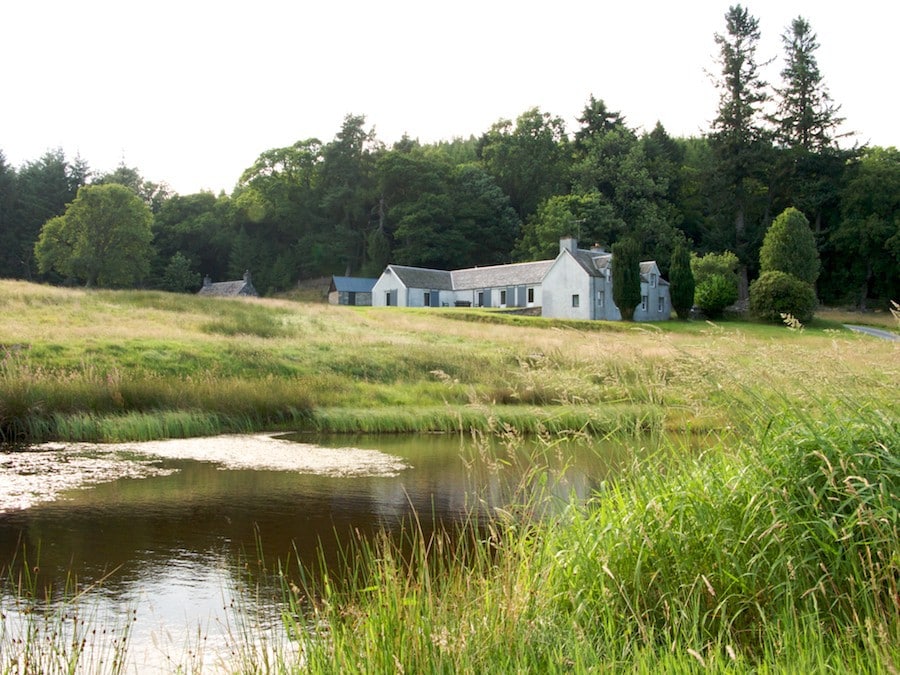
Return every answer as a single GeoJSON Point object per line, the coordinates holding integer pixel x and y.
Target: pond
{"type": "Point", "coordinates": [163, 533]}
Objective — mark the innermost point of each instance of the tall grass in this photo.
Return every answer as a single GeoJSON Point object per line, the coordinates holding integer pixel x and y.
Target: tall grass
{"type": "Point", "coordinates": [780, 554]}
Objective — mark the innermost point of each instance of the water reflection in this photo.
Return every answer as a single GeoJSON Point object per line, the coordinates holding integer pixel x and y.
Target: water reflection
{"type": "Point", "coordinates": [177, 542]}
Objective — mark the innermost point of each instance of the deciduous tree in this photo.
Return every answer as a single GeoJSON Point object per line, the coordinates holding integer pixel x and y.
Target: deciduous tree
{"type": "Point", "coordinates": [102, 239]}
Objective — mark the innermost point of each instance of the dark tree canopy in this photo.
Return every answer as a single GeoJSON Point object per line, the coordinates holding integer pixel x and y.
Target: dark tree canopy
{"type": "Point", "coordinates": [807, 118]}
{"type": "Point", "coordinates": [681, 282]}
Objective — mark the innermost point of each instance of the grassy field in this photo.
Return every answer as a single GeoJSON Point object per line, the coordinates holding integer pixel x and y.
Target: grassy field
{"type": "Point", "coordinates": [130, 365]}
{"type": "Point", "coordinates": [776, 549]}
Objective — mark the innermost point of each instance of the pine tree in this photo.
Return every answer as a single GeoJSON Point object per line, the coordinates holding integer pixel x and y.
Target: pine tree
{"type": "Point", "coordinates": [739, 138]}
{"type": "Point", "coordinates": [807, 118]}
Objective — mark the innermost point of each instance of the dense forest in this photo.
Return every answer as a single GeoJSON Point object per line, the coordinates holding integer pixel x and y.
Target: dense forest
{"type": "Point", "coordinates": [351, 205]}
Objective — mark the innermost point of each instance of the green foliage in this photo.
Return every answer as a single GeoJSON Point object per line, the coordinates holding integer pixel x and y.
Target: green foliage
{"type": "Point", "coordinates": [585, 215]}
{"type": "Point", "coordinates": [868, 237]}
{"type": "Point", "coordinates": [626, 277]}
{"type": "Point", "coordinates": [775, 294]}
{"type": "Point", "coordinates": [179, 277]}
{"type": "Point", "coordinates": [790, 246]}
{"type": "Point", "coordinates": [723, 264]}
{"type": "Point", "coordinates": [102, 239]}
{"type": "Point", "coordinates": [528, 159]}
{"type": "Point", "coordinates": [681, 282]}
{"type": "Point", "coordinates": [739, 140]}
{"type": "Point", "coordinates": [715, 293]}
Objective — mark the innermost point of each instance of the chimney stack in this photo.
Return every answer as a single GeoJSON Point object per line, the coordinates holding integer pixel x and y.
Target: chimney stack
{"type": "Point", "coordinates": [568, 243]}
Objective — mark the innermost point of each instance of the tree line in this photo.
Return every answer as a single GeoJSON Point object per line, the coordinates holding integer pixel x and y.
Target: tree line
{"type": "Point", "coordinates": [352, 205]}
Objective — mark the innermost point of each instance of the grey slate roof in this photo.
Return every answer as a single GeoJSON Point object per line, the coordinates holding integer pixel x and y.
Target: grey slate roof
{"type": "Point", "coordinates": [593, 262]}
{"type": "Point", "coordinates": [229, 288]}
{"type": "Point", "coordinates": [222, 288]}
{"type": "Point", "coordinates": [420, 277]}
{"type": "Point", "coordinates": [352, 284]}
{"type": "Point", "coordinates": [497, 276]}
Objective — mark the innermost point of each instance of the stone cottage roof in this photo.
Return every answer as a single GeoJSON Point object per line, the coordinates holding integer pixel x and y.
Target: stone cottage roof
{"type": "Point", "coordinates": [595, 263]}
{"type": "Point", "coordinates": [242, 287]}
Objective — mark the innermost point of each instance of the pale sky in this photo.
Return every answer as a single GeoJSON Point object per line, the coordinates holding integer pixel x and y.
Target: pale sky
{"type": "Point", "coordinates": [190, 92]}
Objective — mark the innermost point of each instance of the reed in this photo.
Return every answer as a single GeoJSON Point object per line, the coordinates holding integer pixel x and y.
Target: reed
{"type": "Point", "coordinates": [54, 631]}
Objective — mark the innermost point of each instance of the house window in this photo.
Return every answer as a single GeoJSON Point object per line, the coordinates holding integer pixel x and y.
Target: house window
{"type": "Point", "coordinates": [652, 280]}
{"type": "Point", "coordinates": [575, 300]}
{"type": "Point", "coordinates": [601, 298]}
{"type": "Point", "coordinates": [427, 299]}
{"type": "Point", "coordinates": [643, 303]}
{"type": "Point", "coordinates": [530, 295]}
{"type": "Point", "coordinates": [662, 304]}
{"type": "Point", "coordinates": [503, 298]}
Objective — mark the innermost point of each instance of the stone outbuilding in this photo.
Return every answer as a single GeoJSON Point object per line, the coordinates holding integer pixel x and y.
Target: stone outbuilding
{"type": "Point", "coordinates": [351, 291]}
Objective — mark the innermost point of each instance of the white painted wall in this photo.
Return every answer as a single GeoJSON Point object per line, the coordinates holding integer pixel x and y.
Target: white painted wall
{"type": "Point", "coordinates": [564, 279]}
{"type": "Point", "coordinates": [388, 281]}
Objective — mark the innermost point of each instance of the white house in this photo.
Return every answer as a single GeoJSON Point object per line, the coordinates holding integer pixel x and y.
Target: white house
{"type": "Point", "coordinates": [577, 284]}
{"type": "Point", "coordinates": [516, 285]}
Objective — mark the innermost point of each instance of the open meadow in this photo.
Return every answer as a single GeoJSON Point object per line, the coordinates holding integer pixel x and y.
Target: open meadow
{"type": "Point", "coordinates": [775, 549]}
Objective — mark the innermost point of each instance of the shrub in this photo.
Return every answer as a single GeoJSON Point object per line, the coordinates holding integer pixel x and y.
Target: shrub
{"type": "Point", "coordinates": [706, 266]}
{"type": "Point", "coordinates": [790, 247]}
{"type": "Point", "coordinates": [715, 293]}
{"type": "Point", "coordinates": [777, 293]}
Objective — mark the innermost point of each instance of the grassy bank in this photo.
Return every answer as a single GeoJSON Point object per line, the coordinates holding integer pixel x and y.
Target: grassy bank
{"type": "Point", "coordinates": [130, 365]}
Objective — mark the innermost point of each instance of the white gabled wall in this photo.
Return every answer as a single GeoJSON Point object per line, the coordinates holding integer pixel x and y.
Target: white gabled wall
{"type": "Point", "coordinates": [389, 282]}
{"type": "Point", "coordinates": [565, 279]}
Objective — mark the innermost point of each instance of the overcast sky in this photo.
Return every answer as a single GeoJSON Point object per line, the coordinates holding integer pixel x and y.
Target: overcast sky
{"type": "Point", "coordinates": [190, 92]}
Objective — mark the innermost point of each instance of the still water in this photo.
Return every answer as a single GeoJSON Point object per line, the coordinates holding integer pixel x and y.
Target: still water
{"type": "Point", "coordinates": [164, 533]}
